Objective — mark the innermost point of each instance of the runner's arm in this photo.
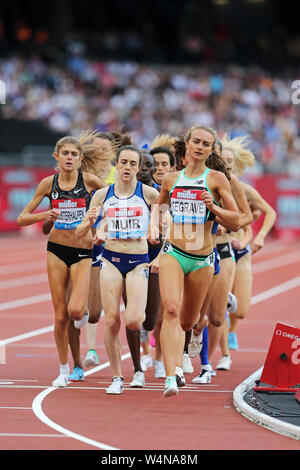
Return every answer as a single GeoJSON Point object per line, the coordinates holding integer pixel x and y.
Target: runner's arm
{"type": "Point", "coordinates": [92, 214]}
{"type": "Point", "coordinates": [258, 202]}
{"type": "Point", "coordinates": [27, 217]}
{"type": "Point", "coordinates": [245, 214]}
{"type": "Point", "coordinates": [228, 214]}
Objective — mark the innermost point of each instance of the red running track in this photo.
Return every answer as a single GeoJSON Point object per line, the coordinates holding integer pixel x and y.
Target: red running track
{"type": "Point", "coordinates": [82, 416]}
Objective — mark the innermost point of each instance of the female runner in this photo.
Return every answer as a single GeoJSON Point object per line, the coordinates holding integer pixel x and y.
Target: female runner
{"type": "Point", "coordinates": [136, 338]}
{"type": "Point", "coordinates": [69, 192]}
{"type": "Point", "coordinates": [241, 157]}
{"type": "Point", "coordinates": [186, 263]}
{"type": "Point", "coordinates": [126, 209]}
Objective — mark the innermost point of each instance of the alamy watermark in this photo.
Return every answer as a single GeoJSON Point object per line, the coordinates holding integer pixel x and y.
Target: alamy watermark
{"type": "Point", "coordinates": [2, 92]}
{"type": "Point", "coordinates": [296, 93]}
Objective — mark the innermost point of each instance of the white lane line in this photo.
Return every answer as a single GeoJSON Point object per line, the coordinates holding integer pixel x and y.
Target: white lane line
{"type": "Point", "coordinates": [30, 435]}
{"type": "Point", "coordinates": [155, 388]}
{"type": "Point", "coordinates": [22, 267]}
{"type": "Point", "coordinates": [278, 262]}
{"type": "Point", "coordinates": [15, 408]}
{"type": "Point", "coordinates": [280, 289]}
{"type": "Point", "coordinates": [24, 281]}
{"type": "Point", "coordinates": [38, 411]}
{"type": "Point", "coordinates": [19, 380]}
{"type": "Point", "coordinates": [30, 334]}
{"type": "Point", "coordinates": [276, 246]}
{"type": "Point", "coordinates": [36, 299]}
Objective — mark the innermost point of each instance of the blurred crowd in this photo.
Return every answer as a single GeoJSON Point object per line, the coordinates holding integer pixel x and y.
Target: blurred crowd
{"type": "Point", "coordinates": [79, 93]}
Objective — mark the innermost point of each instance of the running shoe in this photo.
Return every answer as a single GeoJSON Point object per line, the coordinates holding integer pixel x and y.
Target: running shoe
{"type": "Point", "coordinates": [138, 380]}
{"type": "Point", "coordinates": [195, 344]}
{"type": "Point", "coordinates": [232, 303]}
{"type": "Point", "coordinates": [116, 387]}
{"type": "Point", "coordinates": [232, 341]}
{"type": "Point", "coordinates": [76, 375]}
{"type": "Point", "coordinates": [60, 381]}
{"type": "Point", "coordinates": [80, 323]}
{"type": "Point", "coordinates": [146, 361]}
{"type": "Point", "coordinates": [171, 387]}
{"type": "Point", "coordinates": [187, 364]}
{"type": "Point", "coordinates": [205, 375]}
{"type": "Point", "coordinates": [159, 370]}
{"type": "Point", "coordinates": [91, 359]}
{"type": "Point", "coordinates": [224, 363]}
{"type": "Point", "coordinates": [180, 379]}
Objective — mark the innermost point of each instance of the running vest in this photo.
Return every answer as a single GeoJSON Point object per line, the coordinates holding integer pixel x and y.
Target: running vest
{"type": "Point", "coordinates": [72, 204]}
{"type": "Point", "coordinates": [186, 205]}
{"type": "Point", "coordinates": [127, 218]}
{"type": "Point", "coordinates": [111, 176]}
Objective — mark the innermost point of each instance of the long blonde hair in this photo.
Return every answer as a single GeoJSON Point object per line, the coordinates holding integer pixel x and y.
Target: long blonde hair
{"type": "Point", "coordinates": [163, 140]}
{"type": "Point", "coordinates": [243, 156]}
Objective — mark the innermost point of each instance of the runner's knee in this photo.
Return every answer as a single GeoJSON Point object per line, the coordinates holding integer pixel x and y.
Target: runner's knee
{"type": "Point", "coordinates": [76, 312]}
{"type": "Point", "coordinates": [134, 320]}
{"type": "Point", "coordinates": [61, 322]}
{"type": "Point", "coordinates": [171, 309]}
{"type": "Point", "coordinates": [112, 323]}
{"type": "Point", "coordinates": [94, 315]}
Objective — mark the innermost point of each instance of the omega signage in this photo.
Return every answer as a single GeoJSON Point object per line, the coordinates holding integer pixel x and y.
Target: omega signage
{"type": "Point", "coordinates": [281, 369]}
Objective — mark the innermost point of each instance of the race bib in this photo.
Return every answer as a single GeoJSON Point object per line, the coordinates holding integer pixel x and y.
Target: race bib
{"type": "Point", "coordinates": [125, 222]}
{"type": "Point", "coordinates": [72, 212]}
{"type": "Point", "coordinates": [187, 207]}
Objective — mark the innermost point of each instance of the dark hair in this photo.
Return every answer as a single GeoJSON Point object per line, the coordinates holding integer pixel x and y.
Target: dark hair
{"type": "Point", "coordinates": [180, 149]}
{"type": "Point", "coordinates": [216, 163]}
{"type": "Point", "coordinates": [213, 161]}
{"type": "Point", "coordinates": [105, 135]}
{"type": "Point", "coordinates": [129, 147]}
{"type": "Point", "coordinates": [166, 150]}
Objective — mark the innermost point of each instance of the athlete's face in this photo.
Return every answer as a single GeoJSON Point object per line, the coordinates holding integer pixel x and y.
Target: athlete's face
{"type": "Point", "coordinates": [228, 158]}
{"type": "Point", "coordinates": [146, 170]}
{"type": "Point", "coordinates": [199, 146]}
{"type": "Point", "coordinates": [163, 166]}
{"type": "Point", "coordinates": [68, 157]}
{"type": "Point", "coordinates": [128, 165]}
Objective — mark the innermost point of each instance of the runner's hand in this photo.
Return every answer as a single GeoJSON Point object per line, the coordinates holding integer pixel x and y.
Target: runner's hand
{"type": "Point", "coordinates": [154, 265]}
{"type": "Point", "coordinates": [257, 244]}
{"type": "Point", "coordinates": [236, 244]}
{"type": "Point", "coordinates": [207, 199]}
{"type": "Point", "coordinates": [100, 237]}
{"type": "Point", "coordinates": [52, 215]}
{"type": "Point", "coordinates": [92, 215]}
{"type": "Point", "coordinates": [153, 235]}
